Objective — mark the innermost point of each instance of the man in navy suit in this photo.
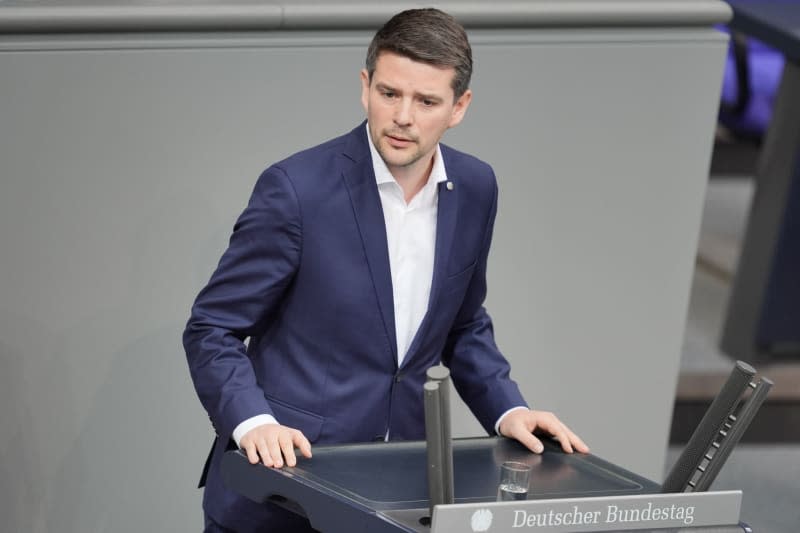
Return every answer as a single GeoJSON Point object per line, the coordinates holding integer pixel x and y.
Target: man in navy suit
{"type": "Point", "coordinates": [355, 266]}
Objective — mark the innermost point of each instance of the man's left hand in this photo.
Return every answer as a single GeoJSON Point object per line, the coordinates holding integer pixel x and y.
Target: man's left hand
{"type": "Point", "coordinates": [521, 424]}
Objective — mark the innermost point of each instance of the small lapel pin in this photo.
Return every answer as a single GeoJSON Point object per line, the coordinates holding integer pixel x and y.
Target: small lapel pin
{"type": "Point", "coordinates": [450, 186]}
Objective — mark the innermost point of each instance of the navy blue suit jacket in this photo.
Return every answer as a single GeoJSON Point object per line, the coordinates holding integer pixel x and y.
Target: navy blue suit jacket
{"type": "Point", "coordinates": [306, 276]}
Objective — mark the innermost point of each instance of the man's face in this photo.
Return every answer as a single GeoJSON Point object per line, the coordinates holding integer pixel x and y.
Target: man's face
{"type": "Point", "coordinates": [409, 107]}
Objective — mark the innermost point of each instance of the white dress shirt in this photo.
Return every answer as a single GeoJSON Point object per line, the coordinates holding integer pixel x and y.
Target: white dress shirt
{"type": "Point", "coordinates": [411, 237]}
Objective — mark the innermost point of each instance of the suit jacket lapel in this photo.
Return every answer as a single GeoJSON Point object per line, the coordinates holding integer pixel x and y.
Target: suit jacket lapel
{"type": "Point", "coordinates": [445, 231]}
{"type": "Point", "coordinates": [447, 211]}
{"type": "Point", "coordinates": [363, 190]}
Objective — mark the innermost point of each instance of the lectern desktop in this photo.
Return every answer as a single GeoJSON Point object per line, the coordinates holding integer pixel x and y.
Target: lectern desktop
{"type": "Point", "coordinates": [382, 487]}
{"type": "Point", "coordinates": [444, 485]}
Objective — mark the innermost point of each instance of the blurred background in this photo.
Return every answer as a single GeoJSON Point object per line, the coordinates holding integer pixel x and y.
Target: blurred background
{"type": "Point", "coordinates": [766, 464]}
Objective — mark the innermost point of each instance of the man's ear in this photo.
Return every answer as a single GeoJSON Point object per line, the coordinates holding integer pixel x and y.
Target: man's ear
{"type": "Point", "coordinates": [460, 108]}
{"type": "Point", "coordinates": [365, 89]}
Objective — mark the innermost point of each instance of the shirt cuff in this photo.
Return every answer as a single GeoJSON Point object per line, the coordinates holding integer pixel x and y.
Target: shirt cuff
{"type": "Point", "coordinates": [497, 424]}
{"type": "Point", "coordinates": [255, 421]}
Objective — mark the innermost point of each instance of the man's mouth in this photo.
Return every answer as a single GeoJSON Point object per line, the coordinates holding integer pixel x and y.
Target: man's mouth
{"type": "Point", "coordinates": [399, 141]}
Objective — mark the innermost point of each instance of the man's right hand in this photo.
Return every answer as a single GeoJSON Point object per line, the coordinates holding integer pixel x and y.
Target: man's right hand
{"type": "Point", "coordinates": [273, 445]}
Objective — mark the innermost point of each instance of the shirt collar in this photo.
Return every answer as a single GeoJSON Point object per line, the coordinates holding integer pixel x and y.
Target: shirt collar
{"type": "Point", "coordinates": [383, 175]}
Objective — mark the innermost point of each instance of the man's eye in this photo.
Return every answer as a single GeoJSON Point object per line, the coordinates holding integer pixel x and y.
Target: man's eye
{"type": "Point", "coordinates": [388, 94]}
{"type": "Point", "coordinates": [428, 103]}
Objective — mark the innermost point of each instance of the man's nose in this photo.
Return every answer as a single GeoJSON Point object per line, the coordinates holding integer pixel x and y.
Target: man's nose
{"type": "Point", "coordinates": [404, 115]}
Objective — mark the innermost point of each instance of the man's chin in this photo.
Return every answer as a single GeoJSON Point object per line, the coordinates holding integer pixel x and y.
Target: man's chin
{"type": "Point", "coordinates": [394, 157]}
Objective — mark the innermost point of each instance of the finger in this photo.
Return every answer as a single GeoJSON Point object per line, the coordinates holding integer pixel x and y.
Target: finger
{"type": "Point", "coordinates": [250, 449]}
{"type": "Point", "coordinates": [567, 438]}
{"type": "Point", "coordinates": [527, 439]}
{"type": "Point", "coordinates": [563, 438]}
{"type": "Point", "coordinates": [552, 425]}
{"type": "Point", "coordinates": [287, 447]}
{"type": "Point", "coordinates": [559, 432]}
{"type": "Point", "coordinates": [263, 451]}
{"type": "Point", "coordinates": [577, 442]}
{"type": "Point", "coordinates": [302, 444]}
{"type": "Point", "coordinates": [274, 449]}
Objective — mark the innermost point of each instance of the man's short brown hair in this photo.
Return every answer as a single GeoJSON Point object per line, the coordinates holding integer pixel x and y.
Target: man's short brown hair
{"type": "Point", "coordinates": [429, 36]}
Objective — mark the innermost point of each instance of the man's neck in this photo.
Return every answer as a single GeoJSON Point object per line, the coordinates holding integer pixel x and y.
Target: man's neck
{"type": "Point", "coordinates": [412, 179]}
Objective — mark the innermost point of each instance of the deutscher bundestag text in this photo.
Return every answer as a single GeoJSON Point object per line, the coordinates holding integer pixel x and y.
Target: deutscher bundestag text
{"type": "Point", "coordinates": [612, 515]}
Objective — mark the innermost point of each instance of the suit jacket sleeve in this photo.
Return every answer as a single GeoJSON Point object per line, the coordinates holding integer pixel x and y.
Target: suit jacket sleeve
{"type": "Point", "coordinates": [480, 372]}
{"type": "Point", "coordinates": [241, 298]}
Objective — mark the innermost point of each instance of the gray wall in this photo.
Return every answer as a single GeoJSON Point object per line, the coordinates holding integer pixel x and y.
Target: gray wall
{"type": "Point", "coordinates": [125, 159]}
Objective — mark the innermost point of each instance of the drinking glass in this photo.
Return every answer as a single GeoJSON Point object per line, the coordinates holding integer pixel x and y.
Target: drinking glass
{"type": "Point", "coordinates": [514, 480]}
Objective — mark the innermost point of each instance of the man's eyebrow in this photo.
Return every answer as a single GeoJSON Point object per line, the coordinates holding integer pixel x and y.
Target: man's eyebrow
{"type": "Point", "coordinates": [431, 97]}
{"type": "Point", "coordinates": [384, 87]}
